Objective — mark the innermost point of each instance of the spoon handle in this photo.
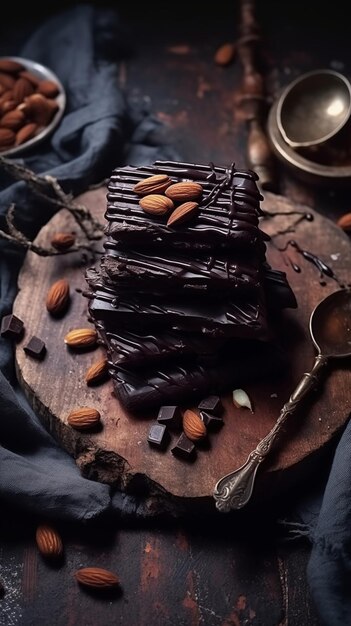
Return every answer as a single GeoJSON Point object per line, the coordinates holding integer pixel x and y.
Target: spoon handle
{"type": "Point", "coordinates": [234, 490]}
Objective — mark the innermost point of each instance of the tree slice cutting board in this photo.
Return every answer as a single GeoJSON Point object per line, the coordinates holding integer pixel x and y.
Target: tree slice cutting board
{"type": "Point", "coordinates": [119, 453]}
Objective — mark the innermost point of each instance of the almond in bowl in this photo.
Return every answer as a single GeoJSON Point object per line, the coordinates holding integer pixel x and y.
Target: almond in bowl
{"type": "Point", "coordinates": [32, 103]}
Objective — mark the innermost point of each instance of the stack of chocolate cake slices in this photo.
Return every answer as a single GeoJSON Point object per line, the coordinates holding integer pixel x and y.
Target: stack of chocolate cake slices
{"type": "Point", "coordinates": [183, 295]}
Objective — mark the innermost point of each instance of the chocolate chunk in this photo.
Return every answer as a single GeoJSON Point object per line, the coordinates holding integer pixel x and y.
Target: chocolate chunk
{"type": "Point", "coordinates": [158, 436]}
{"type": "Point", "coordinates": [35, 348]}
{"type": "Point", "coordinates": [184, 448]}
{"type": "Point", "coordinates": [212, 404]}
{"type": "Point", "coordinates": [170, 416]}
{"type": "Point", "coordinates": [212, 422]}
{"type": "Point", "coordinates": [11, 327]}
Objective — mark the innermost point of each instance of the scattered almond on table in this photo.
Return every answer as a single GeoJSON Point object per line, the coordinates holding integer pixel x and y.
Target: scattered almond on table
{"type": "Point", "coordinates": [344, 222]}
{"type": "Point", "coordinates": [81, 338]}
{"type": "Point", "coordinates": [193, 426]}
{"type": "Point", "coordinates": [58, 297]}
{"type": "Point", "coordinates": [84, 418]}
{"type": "Point", "coordinates": [97, 578]}
{"type": "Point", "coordinates": [49, 541]}
{"type": "Point", "coordinates": [225, 54]}
{"type": "Point", "coordinates": [63, 241]}
{"type": "Point", "coordinates": [97, 372]}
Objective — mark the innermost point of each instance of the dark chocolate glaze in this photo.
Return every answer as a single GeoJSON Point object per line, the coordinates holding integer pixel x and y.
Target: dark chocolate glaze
{"type": "Point", "coordinates": [137, 271]}
{"type": "Point", "coordinates": [229, 209]}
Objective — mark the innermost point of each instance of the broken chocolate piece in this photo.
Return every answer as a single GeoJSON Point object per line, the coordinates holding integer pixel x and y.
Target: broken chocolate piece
{"type": "Point", "coordinates": [158, 436]}
{"type": "Point", "coordinates": [212, 404]}
{"type": "Point", "coordinates": [170, 416]}
{"type": "Point", "coordinates": [212, 422]}
{"type": "Point", "coordinates": [11, 327]}
{"type": "Point", "coordinates": [184, 448]}
{"type": "Point", "coordinates": [35, 348]}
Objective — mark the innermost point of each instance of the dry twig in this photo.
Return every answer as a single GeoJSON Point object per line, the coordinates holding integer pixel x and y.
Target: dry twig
{"type": "Point", "coordinates": [48, 189]}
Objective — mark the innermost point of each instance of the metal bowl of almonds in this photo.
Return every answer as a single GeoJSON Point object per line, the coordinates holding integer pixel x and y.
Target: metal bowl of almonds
{"type": "Point", "coordinates": [32, 103]}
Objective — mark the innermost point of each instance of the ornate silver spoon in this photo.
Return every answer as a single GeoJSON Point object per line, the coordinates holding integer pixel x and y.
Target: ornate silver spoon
{"type": "Point", "coordinates": [330, 330]}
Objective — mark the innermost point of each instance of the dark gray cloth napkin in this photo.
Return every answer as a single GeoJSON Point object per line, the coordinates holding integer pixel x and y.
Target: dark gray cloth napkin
{"type": "Point", "coordinates": [100, 130]}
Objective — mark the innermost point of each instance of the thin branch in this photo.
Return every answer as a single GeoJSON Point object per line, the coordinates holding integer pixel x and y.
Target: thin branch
{"type": "Point", "coordinates": [49, 189]}
{"type": "Point", "coordinates": [19, 239]}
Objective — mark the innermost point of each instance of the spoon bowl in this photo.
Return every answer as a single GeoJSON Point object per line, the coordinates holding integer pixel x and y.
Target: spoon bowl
{"type": "Point", "coordinates": [314, 109]}
{"type": "Point", "coordinates": [330, 325]}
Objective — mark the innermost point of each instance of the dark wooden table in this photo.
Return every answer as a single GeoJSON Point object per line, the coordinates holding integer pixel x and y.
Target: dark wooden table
{"type": "Point", "coordinates": [232, 571]}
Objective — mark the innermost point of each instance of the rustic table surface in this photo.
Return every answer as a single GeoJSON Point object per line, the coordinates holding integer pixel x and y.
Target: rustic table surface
{"type": "Point", "coordinates": [237, 570]}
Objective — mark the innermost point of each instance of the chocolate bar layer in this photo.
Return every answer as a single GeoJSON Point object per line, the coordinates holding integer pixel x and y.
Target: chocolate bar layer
{"type": "Point", "coordinates": [178, 273]}
{"type": "Point", "coordinates": [246, 319]}
{"type": "Point", "coordinates": [228, 215]}
{"type": "Point", "coordinates": [133, 348]}
{"type": "Point", "coordinates": [140, 391]}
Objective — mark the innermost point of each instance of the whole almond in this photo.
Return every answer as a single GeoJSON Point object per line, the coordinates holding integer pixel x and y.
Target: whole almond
{"type": "Point", "coordinates": [225, 54]}
{"type": "Point", "coordinates": [49, 541]}
{"type": "Point", "coordinates": [8, 65]}
{"type": "Point", "coordinates": [39, 108]}
{"type": "Point", "coordinates": [6, 80]}
{"type": "Point", "coordinates": [183, 213]}
{"type": "Point", "coordinates": [156, 204]}
{"type": "Point", "coordinates": [97, 372]}
{"type": "Point", "coordinates": [58, 297]}
{"type": "Point", "coordinates": [6, 95]}
{"type": "Point", "coordinates": [21, 89]}
{"type": "Point", "coordinates": [193, 426]}
{"type": "Point", "coordinates": [7, 105]}
{"type": "Point", "coordinates": [13, 120]}
{"type": "Point", "coordinates": [83, 418]}
{"type": "Point", "coordinates": [345, 222]}
{"type": "Point", "coordinates": [180, 192]}
{"type": "Point", "coordinates": [81, 338]}
{"type": "Point", "coordinates": [26, 133]}
{"type": "Point", "coordinates": [7, 138]}
{"type": "Point", "coordinates": [96, 577]}
{"type": "Point", "coordinates": [153, 184]}
{"type": "Point", "coordinates": [31, 77]}
{"type": "Point", "coordinates": [48, 88]}
{"type": "Point", "coordinates": [63, 241]}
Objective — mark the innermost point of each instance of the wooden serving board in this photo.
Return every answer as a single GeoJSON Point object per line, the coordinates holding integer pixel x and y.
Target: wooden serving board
{"type": "Point", "coordinates": [119, 453]}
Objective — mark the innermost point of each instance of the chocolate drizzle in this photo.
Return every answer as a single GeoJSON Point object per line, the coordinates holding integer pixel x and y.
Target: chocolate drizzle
{"type": "Point", "coordinates": [322, 267]}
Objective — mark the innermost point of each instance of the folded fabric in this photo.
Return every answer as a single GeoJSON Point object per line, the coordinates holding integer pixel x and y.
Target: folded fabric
{"type": "Point", "coordinates": [82, 46]}
{"type": "Point", "coordinates": [329, 567]}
